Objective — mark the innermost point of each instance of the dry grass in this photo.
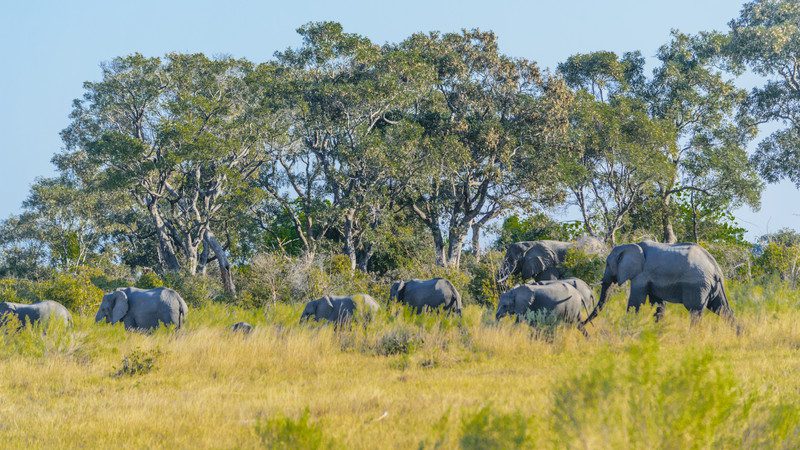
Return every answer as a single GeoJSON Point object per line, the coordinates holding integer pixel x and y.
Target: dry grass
{"type": "Point", "coordinates": [468, 383]}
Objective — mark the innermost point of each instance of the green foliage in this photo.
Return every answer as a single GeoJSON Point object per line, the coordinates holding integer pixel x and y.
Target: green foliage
{"type": "Point", "coordinates": [400, 340]}
{"type": "Point", "coordinates": [284, 433]}
{"type": "Point", "coordinates": [534, 228]}
{"type": "Point", "coordinates": [633, 400]}
{"type": "Point", "coordinates": [149, 280]}
{"type": "Point", "coordinates": [196, 290]}
{"type": "Point", "coordinates": [73, 290]}
{"type": "Point", "coordinates": [489, 429]}
{"type": "Point", "coordinates": [588, 267]}
{"type": "Point", "coordinates": [781, 260]}
{"type": "Point", "coordinates": [138, 362]}
{"type": "Point", "coordinates": [482, 288]}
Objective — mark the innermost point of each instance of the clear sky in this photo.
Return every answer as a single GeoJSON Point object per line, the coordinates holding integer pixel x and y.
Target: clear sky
{"type": "Point", "coordinates": [51, 47]}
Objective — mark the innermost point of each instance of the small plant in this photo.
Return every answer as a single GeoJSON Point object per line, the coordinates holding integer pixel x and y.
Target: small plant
{"type": "Point", "coordinates": [149, 280]}
{"type": "Point", "coordinates": [283, 432]}
{"type": "Point", "coordinates": [487, 429]}
{"type": "Point", "coordinates": [399, 341]}
{"type": "Point", "coordinates": [138, 363]}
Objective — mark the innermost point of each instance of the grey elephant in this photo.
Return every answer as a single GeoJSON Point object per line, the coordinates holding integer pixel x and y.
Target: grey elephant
{"type": "Point", "coordinates": [340, 308]}
{"type": "Point", "coordinates": [534, 260]}
{"type": "Point", "coordinates": [140, 309]}
{"type": "Point", "coordinates": [587, 293]}
{"type": "Point", "coordinates": [37, 312]}
{"type": "Point", "coordinates": [422, 294]}
{"type": "Point", "coordinates": [242, 327]}
{"type": "Point", "coordinates": [675, 273]}
{"type": "Point", "coordinates": [561, 299]}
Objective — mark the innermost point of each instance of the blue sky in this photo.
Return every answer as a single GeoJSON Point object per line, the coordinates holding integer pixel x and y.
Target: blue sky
{"type": "Point", "coordinates": [51, 47]}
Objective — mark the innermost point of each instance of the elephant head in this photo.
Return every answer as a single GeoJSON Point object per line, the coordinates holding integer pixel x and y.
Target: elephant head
{"type": "Point", "coordinates": [318, 309]}
{"type": "Point", "coordinates": [512, 303]}
{"type": "Point", "coordinates": [396, 292]}
{"type": "Point", "coordinates": [624, 263]}
{"type": "Point", "coordinates": [526, 258]}
{"type": "Point", "coordinates": [113, 308]}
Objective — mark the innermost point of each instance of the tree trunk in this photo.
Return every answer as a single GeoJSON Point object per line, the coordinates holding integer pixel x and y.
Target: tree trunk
{"type": "Point", "coordinates": [166, 251]}
{"type": "Point", "coordinates": [349, 239]}
{"type": "Point", "coordinates": [224, 264]}
{"type": "Point", "coordinates": [476, 240]}
{"type": "Point", "coordinates": [438, 244]}
{"type": "Point", "coordinates": [666, 221]}
{"type": "Point", "coordinates": [456, 238]}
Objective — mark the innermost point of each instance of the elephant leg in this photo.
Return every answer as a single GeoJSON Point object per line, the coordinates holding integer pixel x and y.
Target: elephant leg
{"type": "Point", "coordinates": [637, 296]}
{"type": "Point", "coordinates": [696, 315]}
{"type": "Point", "coordinates": [659, 311]}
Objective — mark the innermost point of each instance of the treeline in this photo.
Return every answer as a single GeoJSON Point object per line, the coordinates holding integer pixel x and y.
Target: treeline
{"type": "Point", "coordinates": [402, 151]}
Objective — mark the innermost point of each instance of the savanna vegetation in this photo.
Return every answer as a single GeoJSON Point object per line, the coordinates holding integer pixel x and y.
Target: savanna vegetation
{"type": "Point", "coordinates": [341, 165]}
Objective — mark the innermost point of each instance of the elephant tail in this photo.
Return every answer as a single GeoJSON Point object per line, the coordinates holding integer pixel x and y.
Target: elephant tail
{"type": "Point", "coordinates": [182, 314]}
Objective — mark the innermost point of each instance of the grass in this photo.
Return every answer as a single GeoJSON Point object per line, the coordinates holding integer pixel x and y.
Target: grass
{"type": "Point", "coordinates": [407, 381]}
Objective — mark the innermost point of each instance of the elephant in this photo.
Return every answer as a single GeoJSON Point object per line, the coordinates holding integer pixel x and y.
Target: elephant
{"type": "Point", "coordinates": [587, 293]}
{"type": "Point", "coordinates": [242, 327]}
{"type": "Point", "coordinates": [433, 293]}
{"type": "Point", "coordinates": [534, 260]}
{"type": "Point", "coordinates": [43, 311]}
{"type": "Point", "coordinates": [676, 273]}
{"type": "Point", "coordinates": [560, 298]}
{"type": "Point", "coordinates": [340, 308]}
{"type": "Point", "coordinates": [140, 309]}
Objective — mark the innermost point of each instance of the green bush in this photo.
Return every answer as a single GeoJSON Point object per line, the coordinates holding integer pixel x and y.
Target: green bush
{"type": "Point", "coordinates": [482, 287]}
{"type": "Point", "coordinates": [586, 266]}
{"type": "Point", "coordinates": [149, 280]}
{"type": "Point", "coordinates": [398, 341]}
{"type": "Point", "coordinates": [488, 429]}
{"type": "Point", "coordinates": [73, 290]}
{"type": "Point", "coordinates": [196, 290]}
{"type": "Point", "coordinates": [138, 363]}
{"type": "Point", "coordinates": [285, 433]}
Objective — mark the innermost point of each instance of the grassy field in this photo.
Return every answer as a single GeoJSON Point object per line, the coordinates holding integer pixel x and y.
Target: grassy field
{"type": "Point", "coordinates": [411, 382]}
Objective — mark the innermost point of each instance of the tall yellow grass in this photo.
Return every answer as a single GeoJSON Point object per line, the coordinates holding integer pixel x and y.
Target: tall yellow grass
{"type": "Point", "coordinates": [409, 382]}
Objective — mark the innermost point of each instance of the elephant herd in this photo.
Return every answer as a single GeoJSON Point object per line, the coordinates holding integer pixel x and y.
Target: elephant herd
{"type": "Point", "coordinates": [675, 273]}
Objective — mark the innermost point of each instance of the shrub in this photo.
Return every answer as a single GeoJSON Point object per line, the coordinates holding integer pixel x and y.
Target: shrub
{"type": "Point", "coordinates": [138, 363]}
{"type": "Point", "coordinates": [283, 432]}
{"type": "Point", "coordinates": [149, 280]}
{"type": "Point", "coordinates": [482, 287]}
{"type": "Point", "coordinates": [487, 429]}
{"type": "Point", "coordinates": [196, 290]}
{"type": "Point", "coordinates": [73, 290]}
{"type": "Point", "coordinates": [587, 266]}
{"type": "Point", "coordinates": [398, 341]}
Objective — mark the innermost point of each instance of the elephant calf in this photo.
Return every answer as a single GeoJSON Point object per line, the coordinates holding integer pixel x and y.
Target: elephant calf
{"type": "Point", "coordinates": [140, 309]}
{"type": "Point", "coordinates": [36, 312]}
{"type": "Point", "coordinates": [421, 294]}
{"type": "Point", "coordinates": [340, 308]}
{"type": "Point", "coordinates": [559, 298]}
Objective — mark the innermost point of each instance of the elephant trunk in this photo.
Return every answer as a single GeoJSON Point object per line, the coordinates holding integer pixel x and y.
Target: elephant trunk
{"type": "Point", "coordinates": [600, 303]}
{"type": "Point", "coordinates": [99, 317]}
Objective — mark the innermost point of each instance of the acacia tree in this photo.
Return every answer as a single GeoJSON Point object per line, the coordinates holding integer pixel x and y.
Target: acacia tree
{"type": "Point", "coordinates": [487, 121]}
{"type": "Point", "coordinates": [766, 38]}
{"type": "Point", "coordinates": [347, 149]}
{"type": "Point", "coordinates": [174, 135]}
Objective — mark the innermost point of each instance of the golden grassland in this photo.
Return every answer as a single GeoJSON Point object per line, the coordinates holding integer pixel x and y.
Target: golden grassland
{"type": "Point", "coordinates": [411, 382]}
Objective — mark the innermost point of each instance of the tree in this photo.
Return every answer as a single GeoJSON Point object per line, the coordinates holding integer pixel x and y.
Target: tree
{"type": "Point", "coordinates": [349, 150]}
{"type": "Point", "coordinates": [175, 136]}
{"type": "Point", "coordinates": [619, 145]}
{"type": "Point", "coordinates": [766, 38]}
{"type": "Point", "coordinates": [709, 153]}
{"type": "Point", "coordinates": [488, 121]}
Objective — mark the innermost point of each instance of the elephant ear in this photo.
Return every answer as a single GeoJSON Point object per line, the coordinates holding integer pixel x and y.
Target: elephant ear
{"type": "Point", "coordinates": [397, 290]}
{"type": "Point", "coordinates": [120, 306]}
{"type": "Point", "coordinates": [324, 307]}
{"type": "Point", "coordinates": [629, 263]}
{"type": "Point", "coordinates": [534, 263]}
